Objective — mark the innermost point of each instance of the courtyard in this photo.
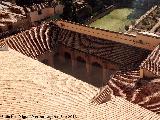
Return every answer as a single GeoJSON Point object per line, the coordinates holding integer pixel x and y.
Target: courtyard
{"type": "Point", "coordinates": [116, 20]}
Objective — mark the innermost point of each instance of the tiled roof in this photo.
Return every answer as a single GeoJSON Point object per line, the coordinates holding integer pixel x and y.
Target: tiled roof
{"type": "Point", "coordinates": [6, 17]}
{"type": "Point", "coordinates": [152, 63]}
{"type": "Point", "coordinates": [128, 85]}
{"type": "Point", "coordinates": [34, 42]}
{"type": "Point", "coordinates": [127, 57]}
{"type": "Point", "coordinates": [12, 8]}
{"type": "Point", "coordinates": [3, 46]}
{"type": "Point", "coordinates": [150, 21]}
{"type": "Point", "coordinates": [9, 15]}
{"type": "Point", "coordinates": [36, 7]}
{"type": "Point", "coordinates": [122, 54]}
{"type": "Point", "coordinates": [32, 89]}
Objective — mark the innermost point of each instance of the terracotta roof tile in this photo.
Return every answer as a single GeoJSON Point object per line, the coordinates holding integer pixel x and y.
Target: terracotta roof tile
{"type": "Point", "coordinates": [152, 63]}
{"type": "Point", "coordinates": [29, 87]}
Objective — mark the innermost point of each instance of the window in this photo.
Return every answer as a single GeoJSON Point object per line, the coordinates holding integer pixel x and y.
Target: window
{"type": "Point", "coordinates": [39, 12]}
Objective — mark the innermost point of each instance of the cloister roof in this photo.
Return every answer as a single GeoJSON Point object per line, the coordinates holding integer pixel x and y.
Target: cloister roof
{"type": "Point", "coordinates": [152, 63]}
{"type": "Point", "coordinates": [31, 89]}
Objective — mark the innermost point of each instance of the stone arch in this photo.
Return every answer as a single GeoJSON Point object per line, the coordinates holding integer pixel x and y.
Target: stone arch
{"type": "Point", "coordinates": [97, 63]}
{"type": "Point", "coordinates": [80, 58]}
{"type": "Point", "coordinates": [80, 71]}
{"type": "Point", "coordinates": [81, 55]}
{"type": "Point", "coordinates": [67, 66]}
{"type": "Point", "coordinates": [67, 58]}
{"type": "Point", "coordinates": [97, 60]}
{"type": "Point", "coordinates": [67, 55]}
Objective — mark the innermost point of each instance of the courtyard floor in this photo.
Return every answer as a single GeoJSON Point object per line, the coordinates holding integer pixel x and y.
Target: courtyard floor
{"type": "Point", "coordinates": [115, 20]}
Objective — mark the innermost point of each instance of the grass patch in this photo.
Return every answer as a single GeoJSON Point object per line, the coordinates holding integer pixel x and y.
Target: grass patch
{"type": "Point", "coordinates": [114, 21]}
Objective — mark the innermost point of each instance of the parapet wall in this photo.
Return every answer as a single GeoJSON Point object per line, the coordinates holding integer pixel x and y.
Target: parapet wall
{"type": "Point", "coordinates": [139, 40]}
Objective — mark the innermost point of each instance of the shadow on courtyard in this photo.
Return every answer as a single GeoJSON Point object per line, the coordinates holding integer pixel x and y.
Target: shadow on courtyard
{"type": "Point", "coordinates": [79, 71]}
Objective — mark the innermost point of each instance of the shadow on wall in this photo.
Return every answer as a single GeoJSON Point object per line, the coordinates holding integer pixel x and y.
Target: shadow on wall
{"type": "Point", "coordinates": [79, 71]}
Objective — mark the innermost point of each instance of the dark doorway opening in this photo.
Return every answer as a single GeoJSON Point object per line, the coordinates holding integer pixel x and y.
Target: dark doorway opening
{"type": "Point", "coordinates": [96, 75]}
{"type": "Point", "coordinates": [63, 62]}
{"type": "Point", "coordinates": [80, 70]}
{"type": "Point", "coordinates": [67, 65]}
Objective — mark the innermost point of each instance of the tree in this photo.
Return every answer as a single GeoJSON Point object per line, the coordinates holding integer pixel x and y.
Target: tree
{"type": "Point", "coordinates": [28, 2]}
{"type": "Point", "coordinates": [69, 10]}
{"type": "Point", "coordinates": [92, 3]}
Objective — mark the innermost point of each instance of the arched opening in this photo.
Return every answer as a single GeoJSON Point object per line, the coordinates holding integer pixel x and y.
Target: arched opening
{"type": "Point", "coordinates": [67, 65]}
{"type": "Point", "coordinates": [80, 71]}
{"type": "Point", "coordinates": [96, 75]}
{"type": "Point", "coordinates": [67, 57]}
{"type": "Point", "coordinates": [63, 62]}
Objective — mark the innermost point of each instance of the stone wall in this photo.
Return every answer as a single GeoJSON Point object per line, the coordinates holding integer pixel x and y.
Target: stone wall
{"type": "Point", "coordinates": [138, 40]}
